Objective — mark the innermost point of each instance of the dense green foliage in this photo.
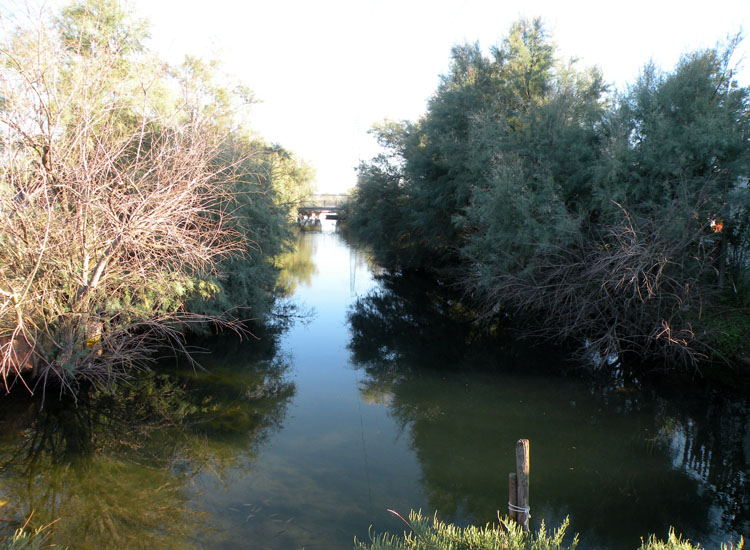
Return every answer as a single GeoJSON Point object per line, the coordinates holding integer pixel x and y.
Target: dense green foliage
{"type": "Point", "coordinates": [615, 220]}
{"type": "Point", "coordinates": [134, 199]}
{"type": "Point", "coordinates": [270, 184]}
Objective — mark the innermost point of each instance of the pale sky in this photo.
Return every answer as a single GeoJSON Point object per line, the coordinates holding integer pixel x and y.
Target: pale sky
{"type": "Point", "coordinates": [326, 70]}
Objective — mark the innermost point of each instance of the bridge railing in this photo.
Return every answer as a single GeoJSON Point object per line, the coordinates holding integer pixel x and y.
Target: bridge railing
{"type": "Point", "coordinates": [325, 200]}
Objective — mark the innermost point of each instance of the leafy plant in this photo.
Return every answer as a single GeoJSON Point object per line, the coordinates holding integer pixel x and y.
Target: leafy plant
{"type": "Point", "coordinates": [433, 534]}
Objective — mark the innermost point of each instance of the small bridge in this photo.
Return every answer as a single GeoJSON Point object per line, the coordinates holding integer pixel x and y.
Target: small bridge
{"type": "Point", "coordinates": [323, 203]}
{"type": "Point", "coordinates": [329, 204]}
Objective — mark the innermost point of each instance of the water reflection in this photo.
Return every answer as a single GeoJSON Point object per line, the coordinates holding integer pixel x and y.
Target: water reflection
{"type": "Point", "coordinates": [622, 462]}
{"type": "Point", "coordinates": [708, 438]}
{"type": "Point", "coordinates": [297, 266]}
{"type": "Point", "coordinates": [409, 322]}
{"type": "Point", "coordinates": [428, 419]}
{"type": "Point", "coordinates": [118, 470]}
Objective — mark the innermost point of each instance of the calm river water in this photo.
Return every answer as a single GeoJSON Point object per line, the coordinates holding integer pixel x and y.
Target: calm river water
{"type": "Point", "coordinates": [377, 400]}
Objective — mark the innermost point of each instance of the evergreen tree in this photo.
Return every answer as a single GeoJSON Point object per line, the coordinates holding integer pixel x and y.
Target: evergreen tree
{"type": "Point", "coordinates": [613, 223]}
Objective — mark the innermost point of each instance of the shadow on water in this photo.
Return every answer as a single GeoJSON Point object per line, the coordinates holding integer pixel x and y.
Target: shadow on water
{"type": "Point", "coordinates": [621, 461]}
{"type": "Point", "coordinates": [120, 470]}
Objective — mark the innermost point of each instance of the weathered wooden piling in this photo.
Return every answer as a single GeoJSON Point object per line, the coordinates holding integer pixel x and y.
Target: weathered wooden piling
{"type": "Point", "coordinates": [512, 496]}
{"type": "Point", "coordinates": [518, 487]}
{"type": "Point", "coordinates": [522, 482]}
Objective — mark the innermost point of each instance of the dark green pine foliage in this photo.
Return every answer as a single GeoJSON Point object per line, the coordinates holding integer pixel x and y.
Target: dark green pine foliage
{"type": "Point", "coordinates": [678, 153]}
{"type": "Point", "coordinates": [678, 133]}
{"type": "Point", "coordinates": [536, 193]}
{"type": "Point", "coordinates": [441, 163]}
{"type": "Point", "coordinates": [378, 213]}
{"type": "Point", "coordinates": [617, 221]}
{"type": "Point", "coordinates": [490, 113]}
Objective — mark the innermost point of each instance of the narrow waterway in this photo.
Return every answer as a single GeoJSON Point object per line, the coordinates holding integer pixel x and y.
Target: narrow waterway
{"type": "Point", "coordinates": [337, 462]}
{"type": "Point", "coordinates": [375, 399]}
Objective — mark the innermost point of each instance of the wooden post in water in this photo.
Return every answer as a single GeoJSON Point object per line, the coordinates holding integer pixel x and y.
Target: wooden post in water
{"type": "Point", "coordinates": [512, 497]}
{"type": "Point", "coordinates": [522, 482]}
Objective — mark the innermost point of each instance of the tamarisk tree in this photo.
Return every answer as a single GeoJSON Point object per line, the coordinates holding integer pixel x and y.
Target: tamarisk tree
{"type": "Point", "coordinates": [618, 222]}
{"type": "Point", "coordinates": [116, 187]}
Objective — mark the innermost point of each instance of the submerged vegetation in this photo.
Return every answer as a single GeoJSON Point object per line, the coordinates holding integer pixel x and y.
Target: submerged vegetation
{"type": "Point", "coordinates": [618, 221]}
{"type": "Point", "coordinates": [122, 468]}
{"type": "Point", "coordinates": [135, 203]}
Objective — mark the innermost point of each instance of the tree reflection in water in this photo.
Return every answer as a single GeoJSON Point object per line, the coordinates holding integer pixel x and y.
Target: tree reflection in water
{"type": "Point", "coordinates": [119, 470]}
{"type": "Point", "coordinates": [622, 461]}
{"type": "Point", "coordinates": [708, 437]}
{"type": "Point", "coordinates": [297, 266]}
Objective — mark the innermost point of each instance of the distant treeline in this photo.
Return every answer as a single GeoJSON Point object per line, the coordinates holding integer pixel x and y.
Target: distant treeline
{"type": "Point", "coordinates": [618, 220]}
{"type": "Point", "coordinates": [135, 202]}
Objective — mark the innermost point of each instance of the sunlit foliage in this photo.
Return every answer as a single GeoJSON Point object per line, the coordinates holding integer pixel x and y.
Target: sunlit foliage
{"type": "Point", "coordinates": [433, 534]}
{"type": "Point", "coordinates": [134, 200]}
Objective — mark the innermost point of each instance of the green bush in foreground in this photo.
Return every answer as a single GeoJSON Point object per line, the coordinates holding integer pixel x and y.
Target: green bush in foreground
{"type": "Point", "coordinates": [433, 534]}
{"type": "Point", "coordinates": [675, 542]}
